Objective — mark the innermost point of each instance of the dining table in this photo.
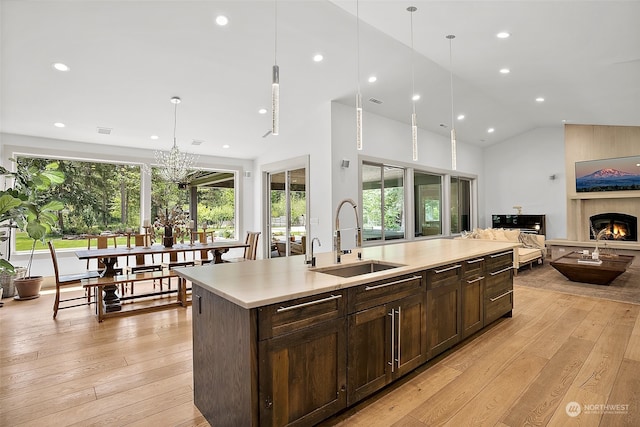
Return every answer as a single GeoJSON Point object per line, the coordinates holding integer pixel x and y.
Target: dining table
{"type": "Point", "coordinates": [109, 257]}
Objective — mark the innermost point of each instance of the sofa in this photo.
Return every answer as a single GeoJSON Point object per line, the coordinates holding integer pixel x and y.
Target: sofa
{"type": "Point", "coordinates": [531, 247]}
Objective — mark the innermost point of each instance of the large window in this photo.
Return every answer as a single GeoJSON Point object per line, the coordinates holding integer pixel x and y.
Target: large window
{"type": "Point", "coordinates": [106, 198]}
{"type": "Point", "coordinates": [382, 202]}
{"type": "Point", "coordinates": [460, 204]}
{"type": "Point", "coordinates": [427, 193]}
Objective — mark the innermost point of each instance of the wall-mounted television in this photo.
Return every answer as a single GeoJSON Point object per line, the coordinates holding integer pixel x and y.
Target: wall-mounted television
{"type": "Point", "coordinates": [618, 174]}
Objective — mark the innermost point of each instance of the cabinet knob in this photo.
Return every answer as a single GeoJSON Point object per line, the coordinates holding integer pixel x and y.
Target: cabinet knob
{"type": "Point", "coordinates": [268, 403]}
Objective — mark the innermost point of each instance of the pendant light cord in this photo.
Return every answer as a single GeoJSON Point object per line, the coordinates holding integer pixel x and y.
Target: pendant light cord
{"type": "Point", "coordinates": [358, 44]}
{"type": "Point", "coordinates": [413, 78]}
{"type": "Point", "coordinates": [175, 122]}
{"type": "Point", "coordinates": [451, 37]}
{"type": "Point", "coordinates": [275, 49]}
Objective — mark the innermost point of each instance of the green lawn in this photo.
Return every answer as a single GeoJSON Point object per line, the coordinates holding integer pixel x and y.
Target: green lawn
{"type": "Point", "coordinates": [23, 243]}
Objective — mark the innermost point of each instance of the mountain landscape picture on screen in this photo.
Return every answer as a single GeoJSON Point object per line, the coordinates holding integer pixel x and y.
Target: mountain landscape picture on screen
{"type": "Point", "coordinates": [620, 174]}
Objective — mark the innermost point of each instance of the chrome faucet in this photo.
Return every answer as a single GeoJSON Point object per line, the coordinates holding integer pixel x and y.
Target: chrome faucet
{"type": "Point", "coordinates": [337, 242]}
{"type": "Point", "coordinates": [312, 261]}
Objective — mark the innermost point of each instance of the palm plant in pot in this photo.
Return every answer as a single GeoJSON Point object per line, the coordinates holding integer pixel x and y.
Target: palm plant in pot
{"type": "Point", "coordinates": [36, 213]}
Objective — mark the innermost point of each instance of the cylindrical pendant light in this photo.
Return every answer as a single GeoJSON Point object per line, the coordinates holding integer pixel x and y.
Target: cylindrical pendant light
{"type": "Point", "coordinates": [358, 96]}
{"type": "Point", "coordinates": [275, 83]}
{"type": "Point", "coordinates": [414, 124]}
{"type": "Point", "coordinates": [454, 154]}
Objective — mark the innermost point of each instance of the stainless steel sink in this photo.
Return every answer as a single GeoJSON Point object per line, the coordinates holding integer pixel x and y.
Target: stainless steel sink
{"type": "Point", "coordinates": [356, 269]}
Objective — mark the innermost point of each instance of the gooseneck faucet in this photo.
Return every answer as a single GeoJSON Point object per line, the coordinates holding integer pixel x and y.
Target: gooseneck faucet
{"type": "Point", "coordinates": [312, 261]}
{"type": "Point", "coordinates": [337, 242]}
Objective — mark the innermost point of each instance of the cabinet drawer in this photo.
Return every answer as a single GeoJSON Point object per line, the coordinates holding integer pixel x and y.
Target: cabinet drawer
{"type": "Point", "coordinates": [383, 291]}
{"type": "Point", "coordinates": [498, 306]}
{"type": "Point", "coordinates": [444, 275]}
{"type": "Point", "coordinates": [473, 267]}
{"type": "Point", "coordinates": [286, 317]}
{"type": "Point", "coordinates": [498, 282]}
{"type": "Point", "coordinates": [499, 260]}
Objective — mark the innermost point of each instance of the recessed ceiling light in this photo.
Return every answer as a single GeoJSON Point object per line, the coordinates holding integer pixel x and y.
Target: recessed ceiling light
{"type": "Point", "coordinates": [222, 20]}
{"type": "Point", "coordinates": [505, 71]}
{"type": "Point", "coordinates": [490, 130]}
{"type": "Point", "coordinates": [415, 97]}
{"type": "Point", "coordinates": [154, 137]}
{"type": "Point", "coordinates": [60, 66]}
{"type": "Point", "coordinates": [503, 35]}
{"type": "Point", "coordinates": [539, 99]}
{"type": "Point", "coordinates": [59, 125]}
{"type": "Point", "coordinates": [318, 57]}
{"type": "Point", "coordinates": [262, 111]}
{"type": "Point", "coordinates": [225, 146]}
{"type": "Point", "coordinates": [461, 117]}
{"type": "Point", "coordinates": [372, 79]}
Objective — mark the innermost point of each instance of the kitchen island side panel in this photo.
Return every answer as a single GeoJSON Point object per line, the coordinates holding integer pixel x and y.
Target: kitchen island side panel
{"type": "Point", "coordinates": [225, 373]}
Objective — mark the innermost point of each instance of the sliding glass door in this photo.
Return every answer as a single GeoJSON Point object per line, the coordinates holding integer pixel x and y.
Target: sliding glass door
{"type": "Point", "coordinates": [287, 212]}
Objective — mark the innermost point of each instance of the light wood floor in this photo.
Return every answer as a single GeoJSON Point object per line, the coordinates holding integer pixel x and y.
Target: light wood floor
{"type": "Point", "coordinates": [137, 370]}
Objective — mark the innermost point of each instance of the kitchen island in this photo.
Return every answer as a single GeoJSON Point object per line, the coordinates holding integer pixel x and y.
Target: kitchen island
{"type": "Point", "coordinates": [278, 343]}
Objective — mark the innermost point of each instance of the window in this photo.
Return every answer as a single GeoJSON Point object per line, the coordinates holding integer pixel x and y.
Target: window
{"type": "Point", "coordinates": [460, 204]}
{"type": "Point", "coordinates": [382, 202]}
{"type": "Point", "coordinates": [106, 197]}
{"type": "Point", "coordinates": [427, 189]}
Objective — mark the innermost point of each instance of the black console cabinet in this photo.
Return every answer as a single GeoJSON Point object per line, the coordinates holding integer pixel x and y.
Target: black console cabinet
{"type": "Point", "coordinates": [534, 224]}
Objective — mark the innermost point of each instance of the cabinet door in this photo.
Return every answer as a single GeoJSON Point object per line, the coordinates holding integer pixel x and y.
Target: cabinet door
{"type": "Point", "coordinates": [303, 375]}
{"type": "Point", "coordinates": [472, 305]}
{"type": "Point", "coordinates": [443, 318]}
{"type": "Point", "coordinates": [411, 335]}
{"type": "Point", "coordinates": [370, 352]}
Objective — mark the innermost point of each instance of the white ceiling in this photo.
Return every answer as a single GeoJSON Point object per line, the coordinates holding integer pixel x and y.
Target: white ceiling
{"type": "Point", "coordinates": [128, 58]}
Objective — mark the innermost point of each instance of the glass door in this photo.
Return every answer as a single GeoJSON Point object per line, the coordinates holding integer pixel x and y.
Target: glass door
{"type": "Point", "coordinates": [288, 212]}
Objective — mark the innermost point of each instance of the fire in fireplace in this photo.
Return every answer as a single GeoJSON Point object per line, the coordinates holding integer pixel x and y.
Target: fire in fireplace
{"type": "Point", "coordinates": [619, 226]}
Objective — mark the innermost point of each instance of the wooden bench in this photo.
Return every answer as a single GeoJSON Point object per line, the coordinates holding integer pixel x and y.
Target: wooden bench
{"type": "Point", "coordinates": [114, 281]}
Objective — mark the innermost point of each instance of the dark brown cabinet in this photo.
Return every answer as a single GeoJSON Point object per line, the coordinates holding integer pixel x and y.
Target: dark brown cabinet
{"type": "Point", "coordinates": [303, 365]}
{"type": "Point", "coordinates": [444, 318]}
{"type": "Point", "coordinates": [472, 296]}
{"type": "Point", "coordinates": [385, 342]}
{"type": "Point", "coordinates": [498, 295]}
{"type": "Point", "coordinates": [387, 336]}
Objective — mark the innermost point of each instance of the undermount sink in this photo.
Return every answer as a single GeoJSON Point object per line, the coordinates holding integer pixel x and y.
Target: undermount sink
{"type": "Point", "coordinates": [357, 269]}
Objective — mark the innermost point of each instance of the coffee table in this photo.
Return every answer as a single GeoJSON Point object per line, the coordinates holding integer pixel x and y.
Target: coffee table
{"type": "Point", "coordinates": [603, 274]}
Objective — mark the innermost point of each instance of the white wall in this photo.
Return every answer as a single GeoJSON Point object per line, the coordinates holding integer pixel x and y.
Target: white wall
{"type": "Point", "coordinates": [28, 145]}
{"type": "Point", "coordinates": [517, 173]}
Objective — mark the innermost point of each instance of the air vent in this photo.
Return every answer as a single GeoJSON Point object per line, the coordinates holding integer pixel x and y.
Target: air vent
{"type": "Point", "coordinates": [375, 101]}
{"type": "Point", "coordinates": [104, 131]}
{"type": "Point", "coordinates": [196, 142]}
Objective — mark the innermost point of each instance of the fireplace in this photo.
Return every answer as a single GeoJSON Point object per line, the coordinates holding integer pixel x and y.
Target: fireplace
{"type": "Point", "coordinates": [618, 226]}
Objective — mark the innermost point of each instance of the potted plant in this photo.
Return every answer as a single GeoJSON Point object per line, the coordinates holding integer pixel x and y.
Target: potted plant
{"type": "Point", "coordinates": [35, 213]}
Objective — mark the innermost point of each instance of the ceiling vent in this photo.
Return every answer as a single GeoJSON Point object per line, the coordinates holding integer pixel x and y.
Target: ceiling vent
{"type": "Point", "coordinates": [104, 131]}
{"type": "Point", "coordinates": [196, 142]}
{"type": "Point", "coordinates": [375, 101]}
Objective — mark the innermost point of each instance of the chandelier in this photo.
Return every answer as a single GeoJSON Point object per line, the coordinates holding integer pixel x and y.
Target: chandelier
{"type": "Point", "coordinates": [175, 165]}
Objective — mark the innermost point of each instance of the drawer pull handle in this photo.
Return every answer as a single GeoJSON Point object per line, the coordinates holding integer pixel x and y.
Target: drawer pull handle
{"type": "Point", "coordinates": [453, 267]}
{"type": "Point", "coordinates": [393, 337]}
{"type": "Point", "coordinates": [305, 304]}
{"type": "Point", "coordinates": [501, 271]}
{"type": "Point", "coordinates": [475, 280]}
{"type": "Point", "coordinates": [473, 261]}
{"type": "Point", "coordinates": [396, 282]}
{"type": "Point", "coordinates": [500, 296]}
{"type": "Point", "coordinates": [502, 254]}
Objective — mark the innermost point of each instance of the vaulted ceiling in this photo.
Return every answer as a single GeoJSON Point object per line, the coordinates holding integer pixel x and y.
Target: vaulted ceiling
{"type": "Point", "coordinates": [128, 58]}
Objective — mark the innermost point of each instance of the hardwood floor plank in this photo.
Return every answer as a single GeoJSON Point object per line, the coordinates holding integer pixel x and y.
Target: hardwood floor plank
{"type": "Point", "coordinates": [592, 326]}
{"type": "Point", "coordinates": [487, 407]}
{"type": "Point", "coordinates": [556, 334]}
{"type": "Point", "coordinates": [626, 391]}
{"type": "Point", "coordinates": [40, 408]}
{"type": "Point", "coordinates": [538, 403]}
{"type": "Point", "coordinates": [633, 348]}
{"type": "Point", "coordinates": [576, 395]}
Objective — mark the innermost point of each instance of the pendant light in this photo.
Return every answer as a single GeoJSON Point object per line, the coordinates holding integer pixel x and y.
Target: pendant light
{"type": "Point", "coordinates": [414, 125]}
{"type": "Point", "coordinates": [453, 126]}
{"type": "Point", "coordinates": [275, 82]}
{"type": "Point", "coordinates": [358, 95]}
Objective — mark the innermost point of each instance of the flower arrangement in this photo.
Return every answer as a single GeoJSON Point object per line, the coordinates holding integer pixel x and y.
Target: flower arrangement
{"type": "Point", "coordinates": [174, 222]}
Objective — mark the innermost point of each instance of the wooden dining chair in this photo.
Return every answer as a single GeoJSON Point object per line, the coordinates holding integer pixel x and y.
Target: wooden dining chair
{"type": "Point", "coordinates": [204, 254]}
{"type": "Point", "coordinates": [251, 250]}
{"type": "Point", "coordinates": [141, 265]}
{"type": "Point", "coordinates": [68, 280]}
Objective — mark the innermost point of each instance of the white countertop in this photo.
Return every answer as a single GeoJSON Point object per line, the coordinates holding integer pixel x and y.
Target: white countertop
{"type": "Point", "coordinates": [258, 283]}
